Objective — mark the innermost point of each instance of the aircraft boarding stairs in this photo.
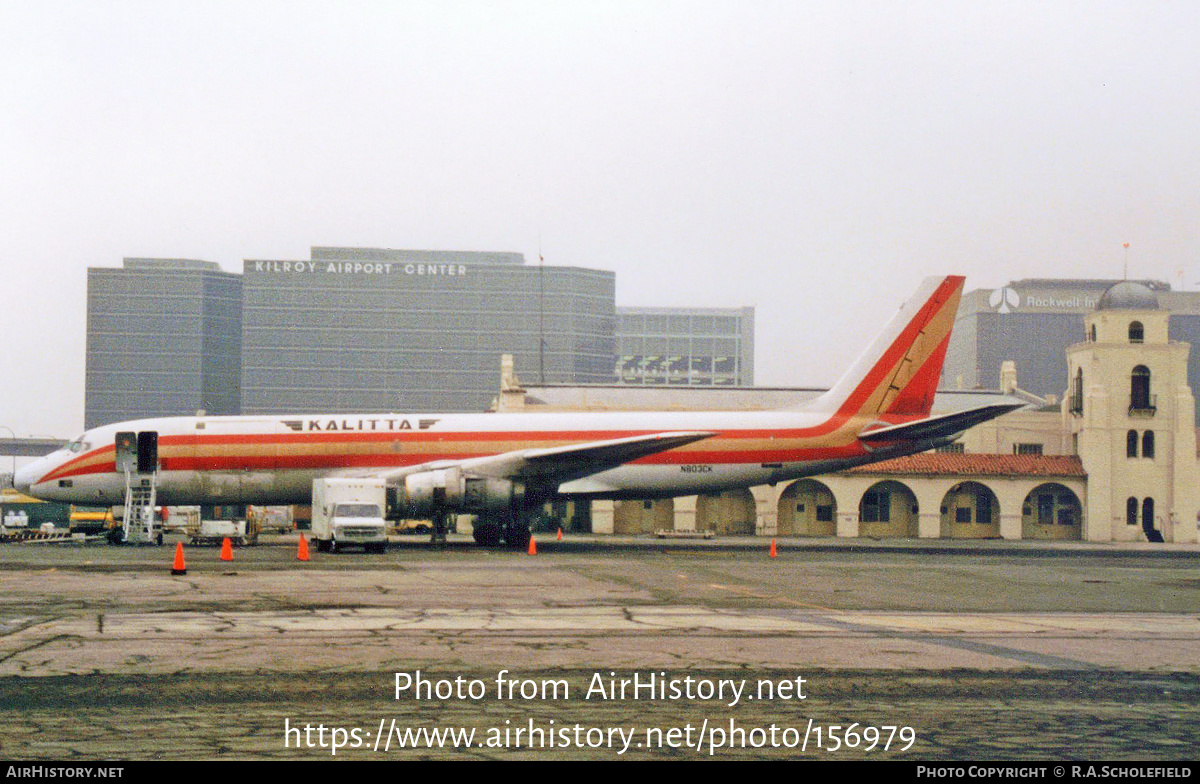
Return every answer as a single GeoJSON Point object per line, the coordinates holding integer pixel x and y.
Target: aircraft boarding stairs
{"type": "Point", "coordinates": [140, 524]}
{"type": "Point", "coordinates": [137, 457]}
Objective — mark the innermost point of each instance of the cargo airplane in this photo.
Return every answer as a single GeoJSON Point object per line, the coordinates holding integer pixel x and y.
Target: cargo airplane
{"type": "Point", "coordinates": [502, 466]}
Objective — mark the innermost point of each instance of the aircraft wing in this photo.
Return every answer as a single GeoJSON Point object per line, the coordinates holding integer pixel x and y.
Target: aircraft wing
{"type": "Point", "coordinates": [560, 463]}
{"type": "Point", "coordinates": [935, 428]}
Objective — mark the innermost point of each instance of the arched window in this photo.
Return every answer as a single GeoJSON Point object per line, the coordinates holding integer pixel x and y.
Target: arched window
{"type": "Point", "coordinates": [1148, 444]}
{"type": "Point", "coordinates": [1131, 439]}
{"type": "Point", "coordinates": [1139, 389]}
{"type": "Point", "coordinates": [1136, 332]}
{"type": "Point", "coordinates": [1152, 533]}
{"type": "Point", "coordinates": [1131, 510]}
{"type": "Point", "coordinates": [1077, 393]}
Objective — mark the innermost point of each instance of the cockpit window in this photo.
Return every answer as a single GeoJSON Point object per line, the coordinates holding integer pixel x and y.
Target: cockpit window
{"type": "Point", "coordinates": [78, 445]}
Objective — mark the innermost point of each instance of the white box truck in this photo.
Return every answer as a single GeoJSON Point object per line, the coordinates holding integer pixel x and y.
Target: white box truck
{"type": "Point", "coordinates": [349, 512]}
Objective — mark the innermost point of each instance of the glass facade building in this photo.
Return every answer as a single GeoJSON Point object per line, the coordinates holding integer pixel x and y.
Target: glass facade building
{"type": "Point", "coordinates": [373, 330]}
{"type": "Point", "coordinates": [163, 339]}
{"type": "Point", "coordinates": [685, 346]}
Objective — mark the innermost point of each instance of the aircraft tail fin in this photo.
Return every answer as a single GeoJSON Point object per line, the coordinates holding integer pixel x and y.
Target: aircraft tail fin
{"type": "Point", "coordinates": [895, 379]}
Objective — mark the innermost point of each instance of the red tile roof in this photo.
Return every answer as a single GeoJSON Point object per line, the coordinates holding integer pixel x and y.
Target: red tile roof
{"type": "Point", "coordinates": [933, 463]}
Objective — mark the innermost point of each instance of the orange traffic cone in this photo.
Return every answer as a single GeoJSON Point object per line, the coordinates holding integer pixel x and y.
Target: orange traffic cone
{"type": "Point", "coordinates": [560, 533]}
{"type": "Point", "coordinates": [773, 548]}
{"type": "Point", "coordinates": [226, 549]}
{"type": "Point", "coordinates": [532, 546]}
{"type": "Point", "coordinates": [302, 550]}
{"type": "Point", "coordinates": [178, 567]}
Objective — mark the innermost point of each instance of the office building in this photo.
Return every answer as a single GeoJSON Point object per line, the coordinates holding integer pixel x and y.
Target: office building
{"type": "Point", "coordinates": [368, 329]}
{"type": "Point", "coordinates": [163, 339]}
{"type": "Point", "coordinates": [685, 346]}
{"type": "Point", "coordinates": [372, 330]}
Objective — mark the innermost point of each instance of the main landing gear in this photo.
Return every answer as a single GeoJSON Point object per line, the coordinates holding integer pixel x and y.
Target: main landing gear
{"type": "Point", "coordinates": [512, 529]}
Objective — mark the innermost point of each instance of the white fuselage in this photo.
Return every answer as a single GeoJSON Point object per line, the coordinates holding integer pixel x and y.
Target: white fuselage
{"type": "Point", "coordinates": [274, 459]}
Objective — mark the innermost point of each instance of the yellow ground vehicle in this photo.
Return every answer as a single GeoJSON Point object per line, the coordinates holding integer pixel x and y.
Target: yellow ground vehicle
{"type": "Point", "coordinates": [91, 519]}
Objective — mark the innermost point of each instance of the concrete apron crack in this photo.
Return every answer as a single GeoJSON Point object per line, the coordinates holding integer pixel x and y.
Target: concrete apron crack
{"type": "Point", "coordinates": [989, 649]}
{"type": "Point", "coordinates": [39, 644]}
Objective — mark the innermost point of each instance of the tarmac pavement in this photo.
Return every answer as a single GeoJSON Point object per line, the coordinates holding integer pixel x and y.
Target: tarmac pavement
{"type": "Point", "coordinates": [982, 650]}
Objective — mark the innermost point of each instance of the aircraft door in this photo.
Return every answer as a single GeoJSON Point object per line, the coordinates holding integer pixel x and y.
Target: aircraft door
{"type": "Point", "coordinates": [147, 452]}
{"type": "Point", "coordinates": [126, 452]}
{"type": "Point", "coordinates": [137, 452]}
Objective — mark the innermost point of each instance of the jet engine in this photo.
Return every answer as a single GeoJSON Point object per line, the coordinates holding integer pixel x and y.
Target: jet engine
{"type": "Point", "coordinates": [430, 493]}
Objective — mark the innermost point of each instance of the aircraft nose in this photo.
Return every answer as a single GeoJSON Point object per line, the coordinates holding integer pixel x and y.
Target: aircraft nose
{"type": "Point", "coordinates": [25, 475]}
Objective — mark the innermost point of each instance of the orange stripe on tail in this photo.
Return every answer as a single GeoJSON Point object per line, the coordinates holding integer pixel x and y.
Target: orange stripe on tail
{"type": "Point", "coordinates": [897, 376]}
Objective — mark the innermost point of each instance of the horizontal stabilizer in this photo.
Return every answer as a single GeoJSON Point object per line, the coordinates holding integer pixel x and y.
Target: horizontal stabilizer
{"type": "Point", "coordinates": [936, 428]}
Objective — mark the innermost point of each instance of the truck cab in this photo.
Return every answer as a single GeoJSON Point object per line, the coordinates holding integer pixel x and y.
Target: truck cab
{"type": "Point", "coordinates": [349, 512]}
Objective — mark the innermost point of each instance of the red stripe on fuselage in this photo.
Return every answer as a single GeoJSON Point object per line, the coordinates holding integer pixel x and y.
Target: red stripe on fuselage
{"type": "Point", "coordinates": [381, 459]}
{"type": "Point", "coordinates": [73, 468]}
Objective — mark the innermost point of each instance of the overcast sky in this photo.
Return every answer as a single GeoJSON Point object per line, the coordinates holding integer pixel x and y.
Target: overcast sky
{"type": "Point", "coordinates": [813, 159]}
